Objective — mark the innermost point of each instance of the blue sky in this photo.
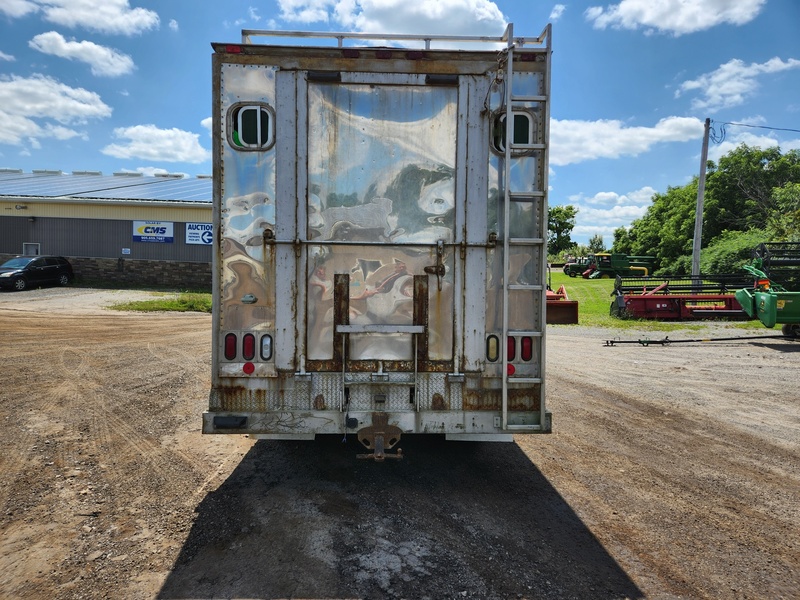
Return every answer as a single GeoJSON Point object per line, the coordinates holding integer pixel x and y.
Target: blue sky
{"type": "Point", "coordinates": [124, 85]}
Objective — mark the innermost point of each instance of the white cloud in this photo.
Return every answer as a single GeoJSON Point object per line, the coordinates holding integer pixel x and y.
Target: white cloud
{"type": "Point", "coordinates": [677, 17]}
{"type": "Point", "coordinates": [108, 16]}
{"type": "Point", "coordinates": [173, 25]}
{"type": "Point", "coordinates": [732, 83]}
{"type": "Point", "coordinates": [18, 8]}
{"type": "Point", "coordinates": [557, 11]}
{"type": "Point", "coordinates": [252, 12]}
{"type": "Point", "coordinates": [7, 57]}
{"type": "Point", "coordinates": [208, 123]}
{"type": "Point", "coordinates": [445, 17]}
{"type": "Point", "coordinates": [579, 141]}
{"type": "Point", "coordinates": [148, 142]}
{"type": "Point", "coordinates": [605, 212]}
{"type": "Point", "coordinates": [29, 104]}
{"type": "Point", "coordinates": [105, 62]}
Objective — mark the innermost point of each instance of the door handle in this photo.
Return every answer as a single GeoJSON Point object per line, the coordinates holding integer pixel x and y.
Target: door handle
{"type": "Point", "coordinates": [437, 269]}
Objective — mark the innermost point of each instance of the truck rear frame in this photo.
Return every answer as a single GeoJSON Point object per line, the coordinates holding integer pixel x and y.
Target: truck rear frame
{"type": "Point", "coordinates": [380, 261]}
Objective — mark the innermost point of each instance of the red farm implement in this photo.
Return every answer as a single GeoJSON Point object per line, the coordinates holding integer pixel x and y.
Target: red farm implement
{"type": "Point", "coordinates": [560, 309]}
{"type": "Point", "coordinates": [678, 298]}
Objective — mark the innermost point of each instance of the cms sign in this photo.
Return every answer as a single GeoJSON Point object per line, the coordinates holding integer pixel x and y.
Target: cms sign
{"type": "Point", "coordinates": [153, 231]}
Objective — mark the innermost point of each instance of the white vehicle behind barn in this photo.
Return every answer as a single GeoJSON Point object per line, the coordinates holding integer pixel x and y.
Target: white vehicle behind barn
{"type": "Point", "coordinates": [380, 237]}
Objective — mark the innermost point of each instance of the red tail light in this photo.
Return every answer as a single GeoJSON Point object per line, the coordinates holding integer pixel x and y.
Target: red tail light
{"type": "Point", "coordinates": [512, 348]}
{"type": "Point", "coordinates": [526, 352]}
{"type": "Point", "coordinates": [230, 346]}
{"type": "Point", "coordinates": [249, 346]}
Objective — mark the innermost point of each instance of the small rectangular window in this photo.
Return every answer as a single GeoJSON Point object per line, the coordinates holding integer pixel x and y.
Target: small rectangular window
{"type": "Point", "coordinates": [521, 130]}
{"type": "Point", "coordinates": [251, 127]}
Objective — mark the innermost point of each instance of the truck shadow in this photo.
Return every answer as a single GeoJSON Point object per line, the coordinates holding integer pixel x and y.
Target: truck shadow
{"type": "Point", "coordinates": [452, 519]}
{"type": "Point", "coordinates": [787, 345]}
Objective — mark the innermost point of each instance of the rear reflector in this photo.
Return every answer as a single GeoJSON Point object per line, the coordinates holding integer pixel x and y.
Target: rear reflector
{"type": "Point", "coordinates": [492, 348]}
{"type": "Point", "coordinates": [266, 347]}
{"type": "Point", "coordinates": [230, 346]}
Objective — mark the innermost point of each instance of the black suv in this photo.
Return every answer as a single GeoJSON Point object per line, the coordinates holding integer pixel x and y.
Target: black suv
{"type": "Point", "coordinates": [22, 272]}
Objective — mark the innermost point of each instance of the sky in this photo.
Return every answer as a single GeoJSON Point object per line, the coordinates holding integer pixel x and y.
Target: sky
{"type": "Point", "coordinates": [125, 85]}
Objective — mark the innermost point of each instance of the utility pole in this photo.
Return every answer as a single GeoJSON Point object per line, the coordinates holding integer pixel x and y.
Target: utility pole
{"type": "Point", "coordinates": [698, 215]}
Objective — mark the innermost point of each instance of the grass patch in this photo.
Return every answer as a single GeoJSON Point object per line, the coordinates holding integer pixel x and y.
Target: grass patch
{"type": "Point", "coordinates": [594, 307]}
{"type": "Point", "coordinates": [185, 302]}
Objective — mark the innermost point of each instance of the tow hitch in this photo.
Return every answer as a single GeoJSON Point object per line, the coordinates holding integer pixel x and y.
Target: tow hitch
{"type": "Point", "coordinates": [379, 437]}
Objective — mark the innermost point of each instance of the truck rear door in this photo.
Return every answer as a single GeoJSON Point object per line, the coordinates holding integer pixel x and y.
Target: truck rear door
{"type": "Point", "coordinates": [378, 232]}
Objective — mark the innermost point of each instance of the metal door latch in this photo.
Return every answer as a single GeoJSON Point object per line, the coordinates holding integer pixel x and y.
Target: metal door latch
{"type": "Point", "coordinates": [438, 269]}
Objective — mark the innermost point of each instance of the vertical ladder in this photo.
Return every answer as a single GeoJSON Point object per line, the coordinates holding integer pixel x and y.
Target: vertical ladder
{"type": "Point", "coordinates": [533, 240]}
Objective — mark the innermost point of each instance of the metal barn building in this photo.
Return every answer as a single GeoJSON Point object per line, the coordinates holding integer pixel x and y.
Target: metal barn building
{"type": "Point", "coordinates": [123, 228]}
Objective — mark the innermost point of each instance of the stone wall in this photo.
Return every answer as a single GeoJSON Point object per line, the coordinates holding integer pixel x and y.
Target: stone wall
{"type": "Point", "coordinates": [139, 273]}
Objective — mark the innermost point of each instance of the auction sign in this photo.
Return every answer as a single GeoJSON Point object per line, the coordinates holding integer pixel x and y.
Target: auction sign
{"type": "Point", "coordinates": [153, 231]}
{"type": "Point", "coordinates": [199, 233]}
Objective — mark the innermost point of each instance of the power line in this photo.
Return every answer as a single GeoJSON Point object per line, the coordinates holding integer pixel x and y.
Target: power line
{"type": "Point", "coordinates": [719, 137]}
{"type": "Point", "coordinates": [761, 127]}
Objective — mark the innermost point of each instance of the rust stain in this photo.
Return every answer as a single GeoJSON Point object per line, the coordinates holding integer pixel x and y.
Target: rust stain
{"type": "Point", "coordinates": [518, 400]}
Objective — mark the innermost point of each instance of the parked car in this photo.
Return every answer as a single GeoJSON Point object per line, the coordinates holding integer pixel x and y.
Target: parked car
{"type": "Point", "coordinates": [23, 272]}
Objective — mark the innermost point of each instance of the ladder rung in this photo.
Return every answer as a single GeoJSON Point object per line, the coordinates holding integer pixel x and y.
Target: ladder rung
{"type": "Point", "coordinates": [528, 146]}
{"type": "Point", "coordinates": [529, 333]}
{"type": "Point", "coordinates": [521, 286]}
{"type": "Point", "coordinates": [525, 241]}
{"type": "Point", "coordinates": [528, 98]}
{"type": "Point", "coordinates": [523, 427]}
{"type": "Point", "coordinates": [524, 380]}
{"type": "Point", "coordinates": [525, 196]}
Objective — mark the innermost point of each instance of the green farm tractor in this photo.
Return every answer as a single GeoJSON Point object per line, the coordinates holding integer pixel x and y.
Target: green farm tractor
{"type": "Point", "coordinates": [610, 265]}
{"type": "Point", "coordinates": [770, 302]}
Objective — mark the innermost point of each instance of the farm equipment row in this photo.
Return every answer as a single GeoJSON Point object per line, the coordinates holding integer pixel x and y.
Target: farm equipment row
{"type": "Point", "coordinates": [605, 265]}
{"type": "Point", "coordinates": [679, 298]}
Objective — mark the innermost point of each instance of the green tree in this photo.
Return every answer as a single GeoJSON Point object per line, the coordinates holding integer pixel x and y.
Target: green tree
{"type": "Point", "coordinates": [784, 223]}
{"type": "Point", "coordinates": [665, 230]}
{"type": "Point", "coordinates": [596, 244]}
{"type": "Point", "coordinates": [623, 240]}
{"type": "Point", "coordinates": [739, 191]}
{"type": "Point", "coordinates": [730, 251]}
{"type": "Point", "coordinates": [560, 223]}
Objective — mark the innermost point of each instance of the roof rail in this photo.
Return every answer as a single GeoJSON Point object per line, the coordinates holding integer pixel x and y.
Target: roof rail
{"type": "Point", "coordinates": [249, 34]}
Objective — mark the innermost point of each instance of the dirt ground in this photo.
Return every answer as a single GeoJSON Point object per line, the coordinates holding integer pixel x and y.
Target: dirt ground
{"type": "Point", "coordinates": [673, 472]}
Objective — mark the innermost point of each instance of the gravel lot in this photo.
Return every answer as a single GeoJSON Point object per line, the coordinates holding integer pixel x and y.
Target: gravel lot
{"type": "Point", "coordinates": [673, 472]}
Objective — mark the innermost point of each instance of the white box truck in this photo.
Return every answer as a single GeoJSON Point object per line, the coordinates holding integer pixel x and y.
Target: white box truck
{"type": "Point", "coordinates": [380, 236]}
